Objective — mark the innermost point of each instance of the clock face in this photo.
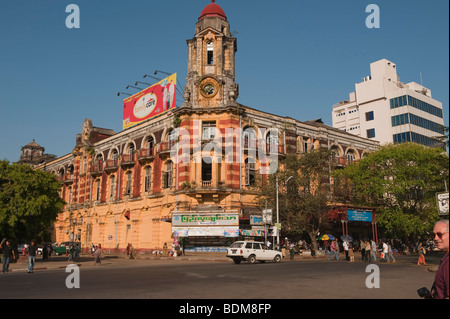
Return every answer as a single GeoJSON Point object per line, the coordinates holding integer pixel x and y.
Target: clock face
{"type": "Point", "coordinates": [209, 89]}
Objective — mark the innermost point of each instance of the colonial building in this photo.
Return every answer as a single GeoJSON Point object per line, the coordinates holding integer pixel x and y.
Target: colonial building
{"type": "Point", "coordinates": [192, 171]}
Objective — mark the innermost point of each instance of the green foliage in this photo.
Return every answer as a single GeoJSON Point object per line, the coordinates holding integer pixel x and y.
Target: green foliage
{"type": "Point", "coordinates": [401, 181]}
{"type": "Point", "coordinates": [304, 191]}
{"type": "Point", "coordinates": [29, 201]}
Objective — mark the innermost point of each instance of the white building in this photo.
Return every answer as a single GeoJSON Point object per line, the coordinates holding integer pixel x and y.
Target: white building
{"type": "Point", "coordinates": [389, 111]}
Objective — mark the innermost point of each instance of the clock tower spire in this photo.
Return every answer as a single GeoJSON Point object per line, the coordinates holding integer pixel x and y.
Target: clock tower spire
{"type": "Point", "coordinates": [211, 61]}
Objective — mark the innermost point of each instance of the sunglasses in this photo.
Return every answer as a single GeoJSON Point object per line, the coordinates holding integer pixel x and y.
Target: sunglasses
{"type": "Point", "coordinates": [439, 234]}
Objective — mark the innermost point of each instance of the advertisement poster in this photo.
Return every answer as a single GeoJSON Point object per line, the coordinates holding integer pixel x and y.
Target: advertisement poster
{"type": "Point", "coordinates": [148, 103]}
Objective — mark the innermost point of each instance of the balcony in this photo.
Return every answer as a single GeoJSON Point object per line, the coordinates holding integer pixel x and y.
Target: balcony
{"type": "Point", "coordinates": [146, 155]}
{"type": "Point", "coordinates": [339, 161]}
{"type": "Point", "coordinates": [96, 168]}
{"type": "Point", "coordinates": [67, 179]}
{"type": "Point", "coordinates": [128, 160]}
{"type": "Point", "coordinates": [166, 147]}
{"type": "Point", "coordinates": [111, 165]}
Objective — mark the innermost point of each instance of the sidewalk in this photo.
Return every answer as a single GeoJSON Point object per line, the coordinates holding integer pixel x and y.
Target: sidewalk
{"type": "Point", "coordinates": [86, 260]}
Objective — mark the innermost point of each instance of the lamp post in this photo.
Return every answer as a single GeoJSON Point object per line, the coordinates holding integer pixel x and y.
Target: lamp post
{"type": "Point", "coordinates": [278, 212]}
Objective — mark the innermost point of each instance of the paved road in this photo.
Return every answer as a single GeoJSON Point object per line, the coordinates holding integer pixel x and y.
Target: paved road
{"type": "Point", "coordinates": [218, 278]}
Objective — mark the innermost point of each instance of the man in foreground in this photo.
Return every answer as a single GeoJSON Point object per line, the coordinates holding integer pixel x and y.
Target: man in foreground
{"type": "Point", "coordinates": [441, 282]}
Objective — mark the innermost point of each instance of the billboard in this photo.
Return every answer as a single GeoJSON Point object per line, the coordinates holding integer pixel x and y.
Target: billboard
{"type": "Point", "coordinates": [150, 102]}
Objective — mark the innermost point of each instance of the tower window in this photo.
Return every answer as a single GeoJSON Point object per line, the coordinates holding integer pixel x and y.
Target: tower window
{"type": "Point", "coordinates": [210, 53]}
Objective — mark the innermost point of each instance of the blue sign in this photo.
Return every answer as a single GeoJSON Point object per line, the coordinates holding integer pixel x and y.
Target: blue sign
{"type": "Point", "coordinates": [359, 215]}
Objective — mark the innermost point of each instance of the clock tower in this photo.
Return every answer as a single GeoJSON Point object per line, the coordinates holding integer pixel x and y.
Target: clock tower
{"type": "Point", "coordinates": [211, 62]}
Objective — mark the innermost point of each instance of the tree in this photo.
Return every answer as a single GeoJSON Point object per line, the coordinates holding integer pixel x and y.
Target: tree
{"type": "Point", "coordinates": [304, 191]}
{"type": "Point", "coordinates": [401, 181]}
{"type": "Point", "coordinates": [29, 201]}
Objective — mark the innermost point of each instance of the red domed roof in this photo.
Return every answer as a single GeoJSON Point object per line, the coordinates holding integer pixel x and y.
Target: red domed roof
{"type": "Point", "coordinates": [213, 10]}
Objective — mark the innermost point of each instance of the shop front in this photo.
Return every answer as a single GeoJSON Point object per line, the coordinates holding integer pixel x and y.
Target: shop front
{"type": "Point", "coordinates": [205, 231]}
{"type": "Point", "coordinates": [358, 222]}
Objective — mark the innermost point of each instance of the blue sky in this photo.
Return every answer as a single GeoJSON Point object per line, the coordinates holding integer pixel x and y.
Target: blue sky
{"type": "Point", "coordinates": [294, 58]}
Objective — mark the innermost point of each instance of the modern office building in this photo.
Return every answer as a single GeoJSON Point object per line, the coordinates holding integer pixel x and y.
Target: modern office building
{"type": "Point", "coordinates": [384, 109]}
{"type": "Point", "coordinates": [190, 171]}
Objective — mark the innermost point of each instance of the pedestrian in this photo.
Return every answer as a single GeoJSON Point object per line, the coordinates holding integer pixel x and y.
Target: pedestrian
{"type": "Point", "coordinates": [131, 251]}
{"type": "Point", "coordinates": [8, 254]}
{"type": "Point", "coordinates": [385, 252]}
{"type": "Point", "coordinates": [391, 253]}
{"type": "Point", "coordinates": [96, 255]}
{"type": "Point", "coordinates": [49, 250]}
{"type": "Point", "coordinates": [422, 252]}
{"type": "Point", "coordinates": [71, 252]}
{"type": "Point", "coordinates": [440, 287]}
{"type": "Point", "coordinates": [32, 249]}
{"type": "Point", "coordinates": [128, 249]}
{"type": "Point", "coordinates": [351, 254]}
{"type": "Point", "coordinates": [164, 253]}
{"type": "Point", "coordinates": [362, 248]}
{"type": "Point", "coordinates": [345, 244]}
{"type": "Point", "coordinates": [45, 253]}
{"type": "Point", "coordinates": [25, 249]}
{"type": "Point", "coordinates": [327, 247]}
{"type": "Point", "coordinates": [374, 250]}
{"type": "Point", "coordinates": [334, 250]}
{"type": "Point", "coordinates": [367, 253]}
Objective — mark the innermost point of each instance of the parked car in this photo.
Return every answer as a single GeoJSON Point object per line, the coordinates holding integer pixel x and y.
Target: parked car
{"type": "Point", "coordinates": [252, 251]}
{"type": "Point", "coordinates": [61, 248]}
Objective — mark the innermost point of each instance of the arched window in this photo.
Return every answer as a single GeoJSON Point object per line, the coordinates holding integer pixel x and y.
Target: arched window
{"type": "Point", "coordinates": [249, 138]}
{"type": "Point", "coordinates": [150, 142]}
{"type": "Point", "coordinates": [131, 148]}
{"type": "Point", "coordinates": [114, 155]}
{"type": "Point", "coordinates": [351, 156]}
{"type": "Point", "coordinates": [210, 53]}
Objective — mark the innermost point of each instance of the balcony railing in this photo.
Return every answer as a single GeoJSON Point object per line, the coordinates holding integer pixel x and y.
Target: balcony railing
{"type": "Point", "coordinates": [147, 154]}
{"type": "Point", "coordinates": [112, 164]}
{"type": "Point", "coordinates": [167, 146]}
{"type": "Point", "coordinates": [206, 184]}
{"type": "Point", "coordinates": [128, 159]}
{"type": "Point", "coordinates": [96, 168]}
{"type": "Point", "coordinates": [67, 179]}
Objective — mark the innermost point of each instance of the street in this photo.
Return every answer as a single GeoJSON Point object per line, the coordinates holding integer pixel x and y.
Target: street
{"type": "Point", "coordinates": [154, 279]}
